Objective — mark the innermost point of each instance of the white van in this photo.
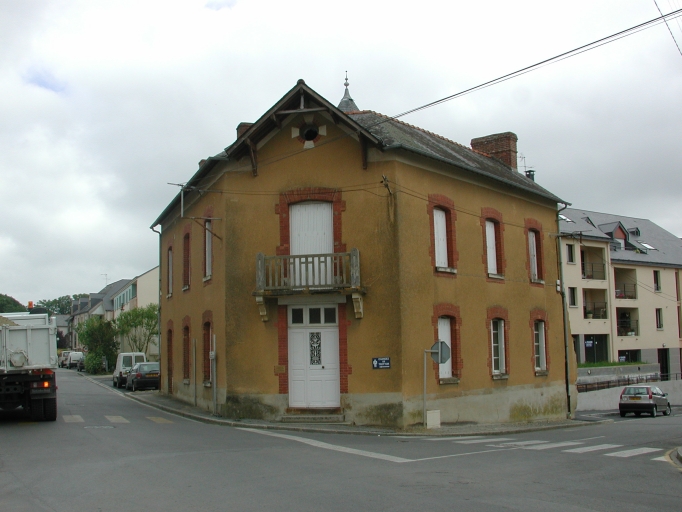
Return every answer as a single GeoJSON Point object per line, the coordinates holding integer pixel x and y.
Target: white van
{"type": "Point", "coordinates": [74, 358]}
{"type": "Point", "coordinates": [124, 362]}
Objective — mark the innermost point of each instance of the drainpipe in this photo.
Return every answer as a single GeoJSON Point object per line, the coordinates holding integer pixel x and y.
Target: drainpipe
{"type": "Point", "coordinates": [194, 358]}
{"type": "Point", "coordinates": [564, 311]}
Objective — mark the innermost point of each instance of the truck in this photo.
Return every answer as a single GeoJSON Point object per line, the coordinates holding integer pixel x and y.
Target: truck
{"type": "Point", "coordinates": [28, 360]}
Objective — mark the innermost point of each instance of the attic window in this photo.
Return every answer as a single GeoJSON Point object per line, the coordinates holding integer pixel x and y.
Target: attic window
{"type": "Point", "coordinates": [309, 132]}
{"type": "Point", "coordinates": [648, 246]}
{"type": "Point", "coordinates": [564, 218]}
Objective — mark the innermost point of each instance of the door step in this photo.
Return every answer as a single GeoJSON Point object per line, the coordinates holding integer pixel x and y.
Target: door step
{"type": "Point", "coordinates": [313, 418]}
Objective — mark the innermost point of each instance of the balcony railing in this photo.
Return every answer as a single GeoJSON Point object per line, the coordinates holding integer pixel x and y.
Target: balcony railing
{"type": "Point", "coordinates": [597, 310]}
{"type": "Point", "coordinates": [626, 291]}
{"type": "Point", "coordinates": [628, 327]}
{"type": "Point", "coordinates": [593, 271]}
{"type": "Point", "coordinates": [300, 273]}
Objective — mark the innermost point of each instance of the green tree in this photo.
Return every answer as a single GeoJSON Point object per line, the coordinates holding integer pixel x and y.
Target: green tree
{"type": "Point", "coordinates": [139, 327]}
{"type": "Point", "coordinates": [10, 304]}
{"type": "Point", "coordinates": [60, 305]}
{"type": "Point", "coordinates": [99, 336]}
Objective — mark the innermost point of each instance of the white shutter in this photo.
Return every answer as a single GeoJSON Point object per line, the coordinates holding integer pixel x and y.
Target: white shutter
{"type": "Point", "coordinates": [440, 238]}
{"type": "Point", "coordinates": [491, 246]}
{"type": "Point", "coordinates": [311, 231]}
{"type": "Point", "coordinates": [532, 251]}
{"type": "Point", "coordinates": [445, 369]}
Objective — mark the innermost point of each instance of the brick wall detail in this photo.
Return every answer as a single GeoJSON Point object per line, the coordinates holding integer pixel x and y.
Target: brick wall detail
{"type": "Point", "coordinates": [451, 311]}
{"type": "Point", "coordinates": [448, 206]}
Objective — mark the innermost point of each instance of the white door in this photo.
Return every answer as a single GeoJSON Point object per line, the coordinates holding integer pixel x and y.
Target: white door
{"type": "Point", "coordinates": [311, 232]}
{"type": "Point", "coordinates": [314, 376]}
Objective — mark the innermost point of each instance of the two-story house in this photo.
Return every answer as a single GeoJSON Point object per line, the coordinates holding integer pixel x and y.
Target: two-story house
{"type": "Point", "coordinates": [323, 251]}
{"type": "Point", "coordinates": [622, 277]}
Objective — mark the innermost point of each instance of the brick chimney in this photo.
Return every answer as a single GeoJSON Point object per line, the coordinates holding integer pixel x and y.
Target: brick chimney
{"type": "Point", "coordinates": [501, 146]}
{"type": "Point", "coordinates": [242, 127]}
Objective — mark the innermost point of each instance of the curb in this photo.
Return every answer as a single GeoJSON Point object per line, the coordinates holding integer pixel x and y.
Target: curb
{"type": "Point", "coordinates": [213, 420]}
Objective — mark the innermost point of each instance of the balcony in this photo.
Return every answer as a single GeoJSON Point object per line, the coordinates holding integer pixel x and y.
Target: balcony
{"type": "Point", "coordinates": [597, 310]}
{"type": "Point", "coordinates": [301, 274]}
{"type": "Point", "coordinates": [628, 328]}
{"type": "Point", "coordinates": [626, 291]}
{"type": "Point", "coordinates": [593, 271]}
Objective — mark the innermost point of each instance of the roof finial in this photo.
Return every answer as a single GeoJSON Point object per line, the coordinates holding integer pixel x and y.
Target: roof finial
{"type": "Point", "coordinates": [346, 82]}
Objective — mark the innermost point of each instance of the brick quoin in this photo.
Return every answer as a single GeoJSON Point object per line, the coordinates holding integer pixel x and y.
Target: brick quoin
{"type": "Point", "coordinates": [309, 194]}
{"type": "Point", "coordinates": [538, 314]}
{"type": "Point", "coordinates": [452, 312]}
{"type": "Point", "coordinates": [165, 268]}
{"type": "Point", "coordinates": [448, 206]}
{"type": "Point", "coordinates": [344, 368]}
{"type": "Point", "coordinates": [498, 312]}
{"type": "Point", "coordinates": [493, 214]}
{"type": "Point", "coordinates": [534, 225]}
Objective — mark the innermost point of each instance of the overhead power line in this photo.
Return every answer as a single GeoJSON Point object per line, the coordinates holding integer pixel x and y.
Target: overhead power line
{"type": "Point", "coordinates": [669, 29]}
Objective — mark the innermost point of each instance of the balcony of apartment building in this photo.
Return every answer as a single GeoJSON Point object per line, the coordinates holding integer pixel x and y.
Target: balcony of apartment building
{"type": "Point", "coordinates": [625, 283]}
{"type": "Point", "coordinates": [627, 321]}
{"type": "Point", "coordinates": [307, 274]}
{"type": "Point", "coordinates": [595, 304]}
{"type": "Point", "coordinates": [592, 262]}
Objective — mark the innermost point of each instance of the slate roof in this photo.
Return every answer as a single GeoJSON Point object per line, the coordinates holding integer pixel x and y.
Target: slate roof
{"type": "Point", "coordinates": [347, 104]}
{"type": "Point", "coordinates": [395, 134]}
{"type": "Point", "coordinates": [668, 247]}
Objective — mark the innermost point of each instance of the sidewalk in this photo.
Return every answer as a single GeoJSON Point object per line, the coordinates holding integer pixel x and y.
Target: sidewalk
{"type": "Point", "coordinates": [174, 406]}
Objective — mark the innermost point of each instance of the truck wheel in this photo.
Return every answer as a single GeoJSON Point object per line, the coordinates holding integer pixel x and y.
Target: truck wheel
{"type": "Point", "coordinates": [50, 409]}
{"type": "Point", "coordinates": [37, 412]}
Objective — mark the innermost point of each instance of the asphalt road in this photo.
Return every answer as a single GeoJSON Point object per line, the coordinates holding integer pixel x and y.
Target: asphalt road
{"type": "Point", "coordinates": [107, 452]}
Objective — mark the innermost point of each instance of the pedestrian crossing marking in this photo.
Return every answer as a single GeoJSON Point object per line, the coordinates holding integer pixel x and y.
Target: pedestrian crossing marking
{"type": "Point", "coordinates": [595, 448]}
{"type": "Point", "coordinates": [74, 418]}
{"type": "Point", "coordinates": [459, 439]}
{"type": "Point", "coordinates": [485, 440]}
{"type": "Point", "coordinates": [633, 452]}
{"type": "Point", "coordinates": [551, 445]}
{"type": "Point", "coordinates": [117, 419]}
{"type": "Point", "coordinates": [158, 419]}
{"type": "Point", "coordinates": [662, 458]}
{"type": "Point", "coordinates": [523, 443]}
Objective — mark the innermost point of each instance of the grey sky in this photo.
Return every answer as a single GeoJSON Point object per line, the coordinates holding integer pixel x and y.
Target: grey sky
{"type": "Point", "coordinates": [105, 102]}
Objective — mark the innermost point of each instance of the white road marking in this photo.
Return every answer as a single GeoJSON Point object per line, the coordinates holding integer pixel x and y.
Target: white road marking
{"type": "Point", "coordinates": [485, 440]}
{"type": "Point", "coordinates": [595, 448]}
{"type": "Point", "coordinates": [459, 439]}
{"type": "Point", "coordinates": [662, 458]}
{"type": "Point", "coordinates": [117, 419]}
{"type": "Point", "coordinates": [632, 453]}
{"type": "Point", "coordinates": [327, 446]}
{"type": "Point", "coordinates": [522, 443]}
{"type": "Point", "coordinates": [551, 445]}
{"type": "Point", "coordinates": [158, 419]}
{"type": "Point", "coordinates": [75, 418]}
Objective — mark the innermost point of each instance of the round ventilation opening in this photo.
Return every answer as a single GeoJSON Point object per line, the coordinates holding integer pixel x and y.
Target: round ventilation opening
{"type": "Point", "coordinates": [309, 132]}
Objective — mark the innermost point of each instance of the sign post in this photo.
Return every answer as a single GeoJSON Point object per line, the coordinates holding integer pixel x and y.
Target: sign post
{"type": "Point", "coordinates": [440, 353]}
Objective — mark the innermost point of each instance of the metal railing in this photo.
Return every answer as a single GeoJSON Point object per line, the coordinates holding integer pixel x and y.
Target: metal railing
{"type": "Point", "coordinates": [308, 272]}
{"type": "Point", "coordinates": [626, 291]}
{"type": "Point", "coordinates": [594, 271]}
{"type": "Point", "coordinates": [595, 310]}
{"type": "Point", "coordinates": [625, 381]}
{"type": "Point", "coordinates": [628, 327]}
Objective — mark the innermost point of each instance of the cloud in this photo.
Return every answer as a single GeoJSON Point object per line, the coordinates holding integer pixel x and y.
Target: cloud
{"type": "Point", "coordinates": [44, 78]}
{"type": "Point", "coordinates": [216, 5]}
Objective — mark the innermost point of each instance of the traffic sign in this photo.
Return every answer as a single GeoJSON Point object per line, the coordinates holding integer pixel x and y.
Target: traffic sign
{"type": "Point", "coordinates": [440, 352]}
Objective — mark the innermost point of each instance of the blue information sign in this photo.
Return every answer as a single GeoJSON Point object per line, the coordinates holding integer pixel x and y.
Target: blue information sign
{"type": "Point", "coordinates": [381, 363]}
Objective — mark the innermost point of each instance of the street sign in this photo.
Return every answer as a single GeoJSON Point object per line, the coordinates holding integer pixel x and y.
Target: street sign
{"type": "Point", "coordinates": [440, 352]}
{"type": "Point", "coordinates": [381, 363]}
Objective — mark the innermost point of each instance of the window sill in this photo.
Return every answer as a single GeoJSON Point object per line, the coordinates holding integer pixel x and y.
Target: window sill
{"type": "Point", "coordinates": [496, 276]}
{"type": "Point", "coordinates": [541, 373]}
{"type": "Point", "coordinates": [500, 376]}
{"type": "Point", "coordinates": [207, 384]}
{"type": "Point", "coordinates": [570, 263]}
{"type": "Point", "coordinates": [207, 278]}
{"type": "Point", "coordinates": [447, 270]}
{"type": "Point", "coordinates": [573, 306]}
{"type": "Point", "coordinates": [185, 382]}
{"type": "Point", "coordinates": [537, 281]}
{"type": "Point", "coordinates": [169, 295]}
{"type": "Point", "coordinates": [659, 328]}
{"type": "Point", "coordinates": [185, 288]}
{"type": "Point", "coordinates": [449, 380]}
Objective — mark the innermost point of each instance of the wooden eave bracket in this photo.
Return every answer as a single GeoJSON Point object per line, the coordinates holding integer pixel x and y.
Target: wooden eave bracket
{"type": "Point", "coordinates": [254, 156]}
{"type": "Point", "coordinates": [262, 309]}
{"type": "Point", "coordinates": [357, 305]}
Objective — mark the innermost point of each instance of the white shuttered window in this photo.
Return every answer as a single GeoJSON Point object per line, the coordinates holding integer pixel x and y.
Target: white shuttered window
{"type": "Point", "coordinates": [444, 334]}
{"type": "Point", "coordinates": [491, 246]}
{"type": "Point", "coordinates": [532, 251]}
{"type": "Point", "coordinates": [440, 237]}
{"type": "Point", "coordinates": [497, 331]}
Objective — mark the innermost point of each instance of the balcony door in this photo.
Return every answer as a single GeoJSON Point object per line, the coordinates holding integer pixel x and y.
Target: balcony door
{"type": "Point", "coordinates": [314, 372]}
{"type": "Point", "coordinates": [311, 231]}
